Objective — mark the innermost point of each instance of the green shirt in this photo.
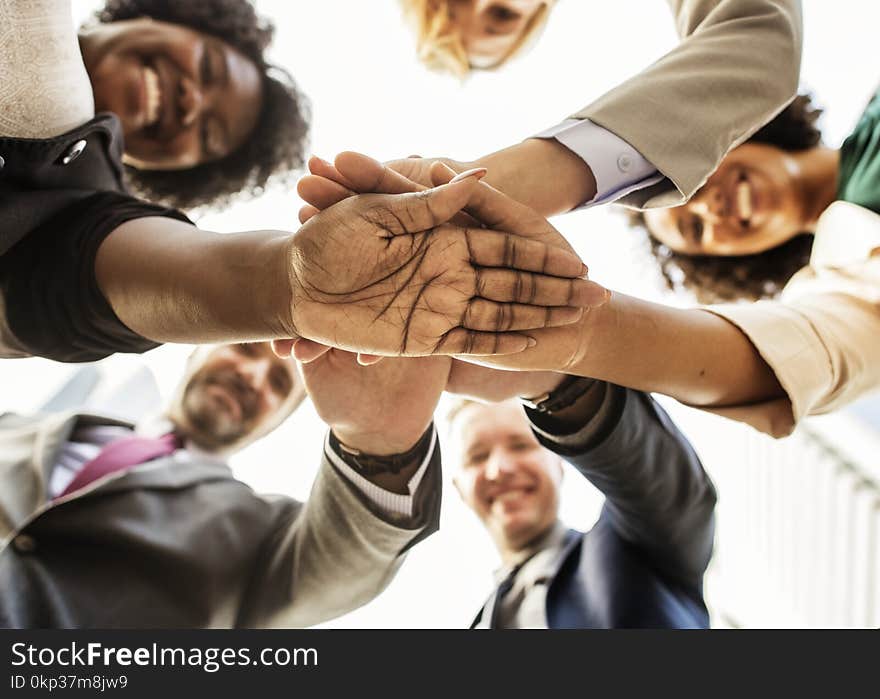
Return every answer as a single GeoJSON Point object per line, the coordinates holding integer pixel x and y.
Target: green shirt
{"type": "Point", "coordinates": [859, 178]}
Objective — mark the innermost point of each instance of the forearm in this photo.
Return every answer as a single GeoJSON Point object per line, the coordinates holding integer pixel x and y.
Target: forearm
{"type": "Point", "coordinates": [496, 385]}
{"type": "Point", "coordinates": [540, 173]}
{"type": "Point", "coordinates": [172, 282]}
{"type": "Point", "coordinates": [736, 67]}
{"type": "Point", "coordinates": [339, 552]}
{"type": "Point", "coordinates": [688, 354]}
{"type": "Point", "coordinates": [657, 495]}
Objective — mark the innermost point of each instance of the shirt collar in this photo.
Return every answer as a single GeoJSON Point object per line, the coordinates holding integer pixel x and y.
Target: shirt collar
{"type": "Point", "coordinates": [552, 539]}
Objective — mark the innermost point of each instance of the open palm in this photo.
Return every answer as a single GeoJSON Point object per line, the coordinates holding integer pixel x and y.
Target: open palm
{"type": "Point", "coordinates": [386, 275]}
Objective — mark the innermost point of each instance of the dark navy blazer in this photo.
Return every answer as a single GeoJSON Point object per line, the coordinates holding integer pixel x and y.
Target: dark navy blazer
{"type": "Point", "coordinates": [642, 564]}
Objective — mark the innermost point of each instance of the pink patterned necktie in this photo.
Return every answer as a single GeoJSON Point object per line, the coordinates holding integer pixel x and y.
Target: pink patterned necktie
{"type": "Point", "coordinates": [122, 454]}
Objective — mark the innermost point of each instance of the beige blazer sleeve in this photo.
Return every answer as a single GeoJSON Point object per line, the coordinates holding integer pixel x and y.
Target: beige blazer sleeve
{"type": "Point", "coordinates": [736, 67]}
{"type": "Point", "coordinates": [822, 338]}
{"type": "Point", "coordinates": [338, 553]}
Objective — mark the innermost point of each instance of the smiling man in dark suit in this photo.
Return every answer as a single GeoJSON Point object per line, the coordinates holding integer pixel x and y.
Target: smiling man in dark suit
{"type": "Point", "coordinates": [642, 564]}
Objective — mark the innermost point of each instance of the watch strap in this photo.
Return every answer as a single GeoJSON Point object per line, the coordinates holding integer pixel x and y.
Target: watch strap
{"type": "Point", "coordinates": [372, 464]}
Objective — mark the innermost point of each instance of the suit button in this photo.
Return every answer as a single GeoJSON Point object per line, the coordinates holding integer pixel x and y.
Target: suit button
{"type": "Point", "coordinates": [24, 543]}
{"type": "Point", "coordinates": [73, 152]}
{"type": "Point", "coordinates": [2, 162]}
{"type": "Point", "coordinates": [624, 163]}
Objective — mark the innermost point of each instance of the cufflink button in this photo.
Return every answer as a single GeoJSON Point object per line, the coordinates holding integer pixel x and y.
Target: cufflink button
{"type": "Point", "coordinates": [24, 543]}
{"type": "Point", "coordinates": [624, 163]}
{"type": "Point", "coordinates": [73, 152]}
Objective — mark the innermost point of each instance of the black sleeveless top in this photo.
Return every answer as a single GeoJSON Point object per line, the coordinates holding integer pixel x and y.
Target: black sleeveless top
{"type": "Point", "coordinates": [59, 199]}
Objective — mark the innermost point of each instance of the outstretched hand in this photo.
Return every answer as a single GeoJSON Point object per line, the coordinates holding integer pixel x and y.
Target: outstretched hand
{"type": "Point", "coordinates": [389, 276]}
{"type": "Point", "coordinates": [382, 409]}
{"type": "Point", "coordinates": [352, 172]}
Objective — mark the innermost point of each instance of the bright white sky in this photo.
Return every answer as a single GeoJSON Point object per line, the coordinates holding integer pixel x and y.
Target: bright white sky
{"type": "Point", "coordinates": [356, 62]}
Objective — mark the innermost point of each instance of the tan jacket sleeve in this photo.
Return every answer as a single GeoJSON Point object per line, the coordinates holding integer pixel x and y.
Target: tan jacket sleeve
{"type": "Point", "coordinates": [338, 552]}
{"type": "Point", "coordinates": [736, 67]}
{"type": "Point", "coordinates": [822, 338]}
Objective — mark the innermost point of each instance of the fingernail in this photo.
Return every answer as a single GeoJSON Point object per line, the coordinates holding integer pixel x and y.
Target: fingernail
{"type": "Point", "coordinates": [478, 172]}
{"type": "Point", "coordinates": [586, 272]}
{"type": "Point", "coordinates": [531, 342]}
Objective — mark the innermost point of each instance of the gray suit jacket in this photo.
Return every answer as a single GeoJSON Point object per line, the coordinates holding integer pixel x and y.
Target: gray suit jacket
{"type": "Point", "coordinates": [179, 542]}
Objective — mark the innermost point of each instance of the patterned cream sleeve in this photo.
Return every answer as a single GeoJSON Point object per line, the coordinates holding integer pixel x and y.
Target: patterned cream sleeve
{"type": "Point", "coordinates": [44, 87]}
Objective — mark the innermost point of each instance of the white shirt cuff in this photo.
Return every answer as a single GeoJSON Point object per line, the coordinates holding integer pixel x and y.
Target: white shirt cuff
{"type": "Point", "coordinates": [391, 504]}
{"type": "Point", "coordinates": [618, 168]}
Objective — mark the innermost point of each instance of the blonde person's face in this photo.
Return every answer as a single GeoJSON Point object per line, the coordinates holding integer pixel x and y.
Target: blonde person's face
{"type": "Point", "coordinates": [752, 203]}
{"type": "Point", "coordinates": [489, 29]}
{"type": "Point", "coordinates": [505, 476]}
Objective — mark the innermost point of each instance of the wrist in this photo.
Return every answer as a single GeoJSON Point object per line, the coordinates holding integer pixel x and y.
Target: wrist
{"type": "Point", "coordinates": [540, 385]}
{"type": "Point", "coordinates": [575, 403]}
{"type": "Point", "coordinates": [377, 444]}
{"type": "Point", "coordinates": [294, 260]}
{"type": "Point", "coordinates": [566, 393]}
{"type": "Point", "coordinates": [598, 331]}
{"type": "Point", "coordinates": [243, 292]}
{"type": "Point", "coordinates": [542, 174]}
{"type": "Point", "coordinates": [390, 472]}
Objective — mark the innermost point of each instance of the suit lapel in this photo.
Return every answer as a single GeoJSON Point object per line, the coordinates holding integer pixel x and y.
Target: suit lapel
{"type": "Point", "coordinates": [573, 539]}
{"type": "Point", "coordinates": [170, 473]}
{"type": "Point", "coordinates": [54, 431]}
{"type": "Point", "coordinates": [28, 451]}
{"type": "Point", "coordinates": [489, 604]}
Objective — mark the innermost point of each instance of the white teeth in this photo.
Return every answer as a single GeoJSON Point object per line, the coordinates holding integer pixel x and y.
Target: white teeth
{"type": "Point", "coordinates": [744, 200]}
{"type": "Point", "coordinates": [154, 96]}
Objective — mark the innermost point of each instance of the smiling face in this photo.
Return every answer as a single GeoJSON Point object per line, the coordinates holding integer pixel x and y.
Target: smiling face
{"type": "Point", "coordinates": [752, 203]}
{"type": "Point", "coordinates": [235, 393]}
{"type": "Point", "coordinates": [490, 30]}
{"type": "Point", "coordinates": [505, 476]}
{"type": "Point", "coordinates": [183, 97]}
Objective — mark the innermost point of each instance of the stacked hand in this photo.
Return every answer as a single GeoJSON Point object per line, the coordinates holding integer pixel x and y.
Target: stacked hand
{"type": "Point", "coordinates": [556, 348]}
{"type": "Point", "coordinates": [380, 409]}
{"type": "Point", "coordinates": [389, 275]}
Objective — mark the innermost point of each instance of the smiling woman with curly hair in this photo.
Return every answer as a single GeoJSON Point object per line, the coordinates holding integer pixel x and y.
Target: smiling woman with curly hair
{"type": "Point", "coordinates": [86, 269]}
{"type": "Point", "coordinates": [195, 149]}
{"type": "Point", "coordinates": [713, 276]}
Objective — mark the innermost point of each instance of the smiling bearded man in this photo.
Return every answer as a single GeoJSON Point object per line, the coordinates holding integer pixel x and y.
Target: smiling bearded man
{"type": "Point", "coordinates": [108, 524]}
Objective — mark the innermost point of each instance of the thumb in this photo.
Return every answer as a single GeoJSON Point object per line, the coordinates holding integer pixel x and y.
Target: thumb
{"type": "Point", "coordinates": [421, 211]}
